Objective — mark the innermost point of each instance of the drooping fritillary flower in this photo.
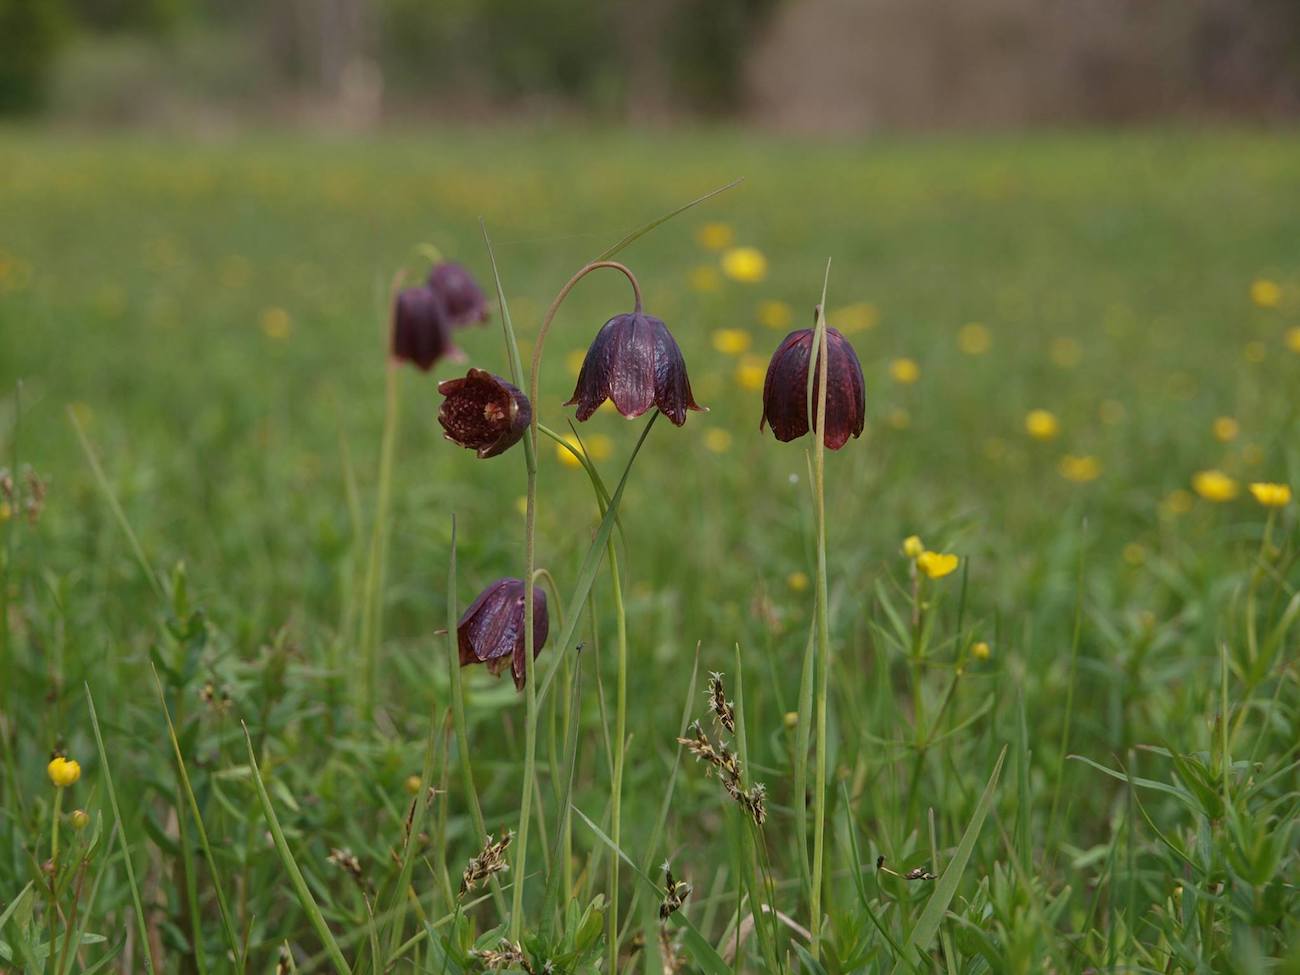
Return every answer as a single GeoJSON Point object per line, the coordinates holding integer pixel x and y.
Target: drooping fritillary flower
{"type": "Point", "coordinates": [483, 412]}
{"type": "Point", "coordinates": [785, 389]}
{"type": "Point", "coordinates": [491, 630]}
{"type": "Point", "coordinates": [461, 296]}
{"type": "Point", "coordinates": [421, 333]}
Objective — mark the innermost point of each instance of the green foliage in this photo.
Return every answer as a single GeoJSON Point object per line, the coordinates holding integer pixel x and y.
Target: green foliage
{"type": "Point", "coordinates": [213, 319]}
{"type": "Point", "coordinates": [30, 32]}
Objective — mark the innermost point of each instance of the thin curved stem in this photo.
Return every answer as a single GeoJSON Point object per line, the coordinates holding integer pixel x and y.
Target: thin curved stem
{"type": "Point", "coordinates": [823, 626]}
{"type": "Point", "coordinates": [530, 553]}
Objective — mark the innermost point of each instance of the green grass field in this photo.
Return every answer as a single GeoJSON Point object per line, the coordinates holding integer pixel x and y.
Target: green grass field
{"type": "Point", "coordinates": [214, 318]}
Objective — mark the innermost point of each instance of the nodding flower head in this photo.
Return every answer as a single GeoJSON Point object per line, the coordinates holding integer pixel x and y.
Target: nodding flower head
{"type": "Point", "coordinates": [491, 631]}
{"type": "Point", "coordinates": [634, 361]}
{"type": "Point", "coordinates": [460, 294]}
{"type": "Point", "coordinates": [785, 390]}
{"type": "Point", "coordinates": [421, 334]}
{"type": "Point", "coordinates": [483, 412]}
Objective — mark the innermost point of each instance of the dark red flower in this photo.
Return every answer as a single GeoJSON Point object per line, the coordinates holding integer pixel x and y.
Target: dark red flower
{"type": "Point", "coordinates": [460, 294]}
{"type": "Point", "coordinates": [634, 361]}
{"type": "Point", "coordinates": [421, 334]}
{"type": "Point", "coordinates": [492, 630]}
{"type": "Point", "coordinates": [785, 390]}
{"type": "Point", "coordinates": [483, 412]}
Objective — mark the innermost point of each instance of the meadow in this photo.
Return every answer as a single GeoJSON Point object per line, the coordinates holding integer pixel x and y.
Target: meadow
{"type": "Point", "coordinates": [1078, 751]}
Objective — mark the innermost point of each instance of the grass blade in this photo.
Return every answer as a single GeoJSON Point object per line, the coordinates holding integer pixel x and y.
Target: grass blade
{"type": "Point", "coordinates": [296, 878]}
{"type": "Point", "coordinates": [927, 926]}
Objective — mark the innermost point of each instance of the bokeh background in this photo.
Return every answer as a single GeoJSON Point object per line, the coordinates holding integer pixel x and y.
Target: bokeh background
{"type": "Point", "coordinates": [844, 66]}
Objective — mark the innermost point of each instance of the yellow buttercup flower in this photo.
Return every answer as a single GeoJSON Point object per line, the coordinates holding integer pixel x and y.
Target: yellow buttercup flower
{"type": "Point", "coordinates": [1265, 293]}
{"type": "Point", "coordinates": [574, 359]}
{"type": "Point", "coordinates": [860, 316]}
{"type": "Point", "coordinates": [599, 447]}
{"type": "Point", "coordinates": [744, 264]}
{"type": "Point", "coordinates": [751, 372]}
{"type": "Point", "coordinates": [904, 371]}
{"type": "Point", "coordinates": [731, 341]}
{"type": "Point", "coordinates": [1214, 486]}
{"type": "Point", "coordinates": [1112, 412]}
{"type": "Point", "coordinates": [1271, 495]}
{"type": "Point", "coordinates": [1079, 468]}
{"type": "Point", "coordinates": [980, 650]}
{"type": "Point", "coordinates": [1225, 429]}
{"type": "Point", "coordinates": [63, 771]}
{"type": "Point", "coordinates": [276, 323]}
{"type": "Point", "coordinates": [974, 339]}
{"type": "Point", "coordinates": [1292, 339]}
{"type": "Point", "coordinates": [913, 546]}
{"type": "Point", "coordinates": [936, 565]}
{"type": "Point", "coordinates": [714, 236]}
{"type": "Point", "coordinates": [775, 314]}
{"type": "Point", "coordinates": [412, 784]}
{"type": "Point", "coordinates": [1065, 352]}
{"type": "Point", "coordinates": [80, 819]}
{"type": "Point", "coordinates": [717, 440]}
{"type": "Point", "coordinates": [704, 279]}
{"type": "Point", "coordinates": [1042, 424]}
{"type": "Point", "coordinates": [1177, 502]}
{"type": "Point", "coordinates": [791, 719]}
{"type": "Point", "coordinates": [798, 581]}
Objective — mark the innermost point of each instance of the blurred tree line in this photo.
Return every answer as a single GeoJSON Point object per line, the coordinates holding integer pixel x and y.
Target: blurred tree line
{"type": "Point", "coordinates": [607, 57]}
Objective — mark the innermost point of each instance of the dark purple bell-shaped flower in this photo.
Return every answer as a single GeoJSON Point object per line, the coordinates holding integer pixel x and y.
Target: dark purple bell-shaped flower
{"type": "Point", "coordinates": [492, 630]}
{"type": "Point", "coordinates": [421, 334]}
{"type": "Point", "coordinates": [460, 294]}
{"type": "Point", "coordinates": [785, 390]}
{"type": "Point", "coordinates": [483, 412]}
{"type": "Point", "coordinates": [634, 361]}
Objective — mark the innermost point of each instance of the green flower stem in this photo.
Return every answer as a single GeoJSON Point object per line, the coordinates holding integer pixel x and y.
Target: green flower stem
{"type": "Point", "coordinates": [530, 555]}
{"type": "Point", "coordinates": [54, 826]}
{"type": "Point", "coordinates": [823, 625]}
{"type": "Point", "coordinates": [620, 744]}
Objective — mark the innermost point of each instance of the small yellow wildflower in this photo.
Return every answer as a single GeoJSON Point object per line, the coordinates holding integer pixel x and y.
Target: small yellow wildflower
{"type": "Point", "coordinates": [574, 359]}
{"type": "Point", "coordinates": [860, 316]}
{"type": "Point", "coordinates": [913, 546]}
{"type": "Point", "coordinates": [80, 819]}
{"type": "Point", "coordinates": [1178, 502]}
{"type": "Point", "coordinates": [936, 565]}
{"type": "Point", "coordinates": [717, 440]}
{"type": "Point", "coordinates": [276, 323]}
{"type": "Point", "coordinates": [1042, 424]}
{"type": "Point", "coordinates": [1271, 495]}
{"type": "Point", "coordinates": [1079, 468]}
{"type": "Point", "coordinates": [980, 650]}
{"type": "Point", "coordinates": [1265, 293]}
{"type": "Point", "coordinates": [714, 236]}
{"type": "Point", "coordinates": [974, 338]}
{"type": "Point", "coordinates": [1112, 412]}
{"type": "Point", "coordinates": [1292, 339]}
{"type": "Point", "coordinates": [704, 279]}
{"type": "Point", "coordinates": [1065, 352]}
{"type": "Point", "coordinates": [1225, 429]}
{"type": "Point", "coordinates": [1257, 351]}
{"type": "Point", "coordinates": [899, 419]}
{"type": "Point", "coordinates": [744, 264]}
{"type": "Point", "coordinates": [791, 719]}
{"type": "Point", "coordinates": [521, 503]}
{"type": "Point", "coordinates": [412, 784]}
{"type": "Point", "coordinates": [1214, 486]}
{"type": "Point", "coordinates": [751, 372]}
{"type": "Point", "coordinates": [775, 314]}
{"type": "Point", "coordinates": [1135, 554]}
{"type": "Point", "coordinates": [599, 447]}
{"type": "Point", "coordinates": [63, 771]}
{"type": "Point", "coordinates": [798, 581]}
{"type": "Point", "coordinates": [731, 341]}
{"type": "Point", "coordinates": [904, 371]}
